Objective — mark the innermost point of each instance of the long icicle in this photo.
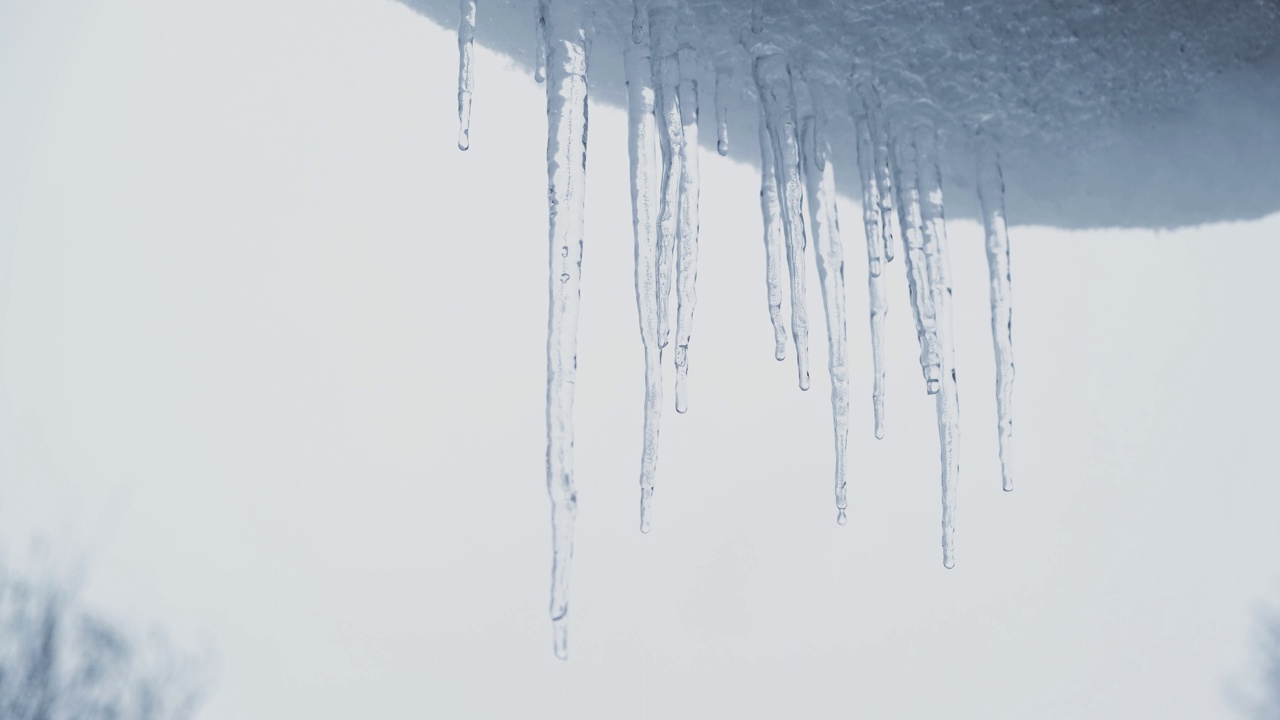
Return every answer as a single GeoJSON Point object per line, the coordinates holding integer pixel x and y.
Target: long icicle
{"type": "Point", "coordinates": [821, 186]}
{"type": "Point", "coordinates": [666, 81]}
{"type": "Point", "coordinates": [991, 195]}
{"type": "Point", "coordinates": [687, 257]}
{"type": "Point", "coordinates": [875, 280]}
{"type": "Point", "coordinates": [466, 71]}
{"type": "Point", "coordinates": [904, 165]}
{"type": "Point", "coordinates": [724, 74]}
{"type": "Point", "coordinates": [773, 79]}
{"type": "Point", "coordinates": [774, 247]}
{"type": "Point", "coordinates": [643, 140]}
{"type": "Point", "coordinates": [869, 99]}
{"type": "Point", "coordinates": [566, 184]}
{"type": "Point", "coordinates": [939, 261]}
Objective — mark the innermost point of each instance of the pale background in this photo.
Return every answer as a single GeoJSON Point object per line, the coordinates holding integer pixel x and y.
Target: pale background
{"type": "Point", "coordinates": [272, 355]}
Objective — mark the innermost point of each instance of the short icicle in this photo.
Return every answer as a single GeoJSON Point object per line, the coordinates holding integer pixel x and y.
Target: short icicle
{"type": "Point", "coordinates": [663, 46]}
{"type": "Point", "coordinates": [723, 75]}
{"type": "Point", "coordinates": [939, 262]}
{"type": "Point", "coordinates": [875, 280]}
{"type": "Point", "coordinates": [643, 141]}
{"type": "Point", "coordinates": [466, 71]}
{"type": "Point", "coordinates": [687, 227]}
{"type": "Point", "coordinates": [991, 195]}
{"type": "Point", "coordinates": [566, 183]}
{"type": "Point", "coordinates": [821, 188]}
{"type": "Point", "coordinates": [773, 79]}
{"type": "Point", "coordinates": [909, 222]}
{"type": "Point", "coordinates": [774, 248]}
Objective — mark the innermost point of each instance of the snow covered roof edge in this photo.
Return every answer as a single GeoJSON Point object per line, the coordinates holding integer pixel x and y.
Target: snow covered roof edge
{"type": "Point", "coordinates": [1123, 113]}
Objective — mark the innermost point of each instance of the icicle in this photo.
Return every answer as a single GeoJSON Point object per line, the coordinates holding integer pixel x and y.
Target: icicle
{"type": "Point", "coordinates": [821, 147]}
{"type": "Point", "coordinates": [644, 217]}
{"type": "Point", "coordinates": [540, 40]}
{"type": "Point", "coordinates": [821, 187]}
{"type": "Point", "coordinates": [875, 281]}
{"type": "Point", "coordinates": [566, 175]}
{"type": "Point", "coordinates": [904, 165]}
{"type": "Point", "coordinates": [666, 81]}
{"type": "Point", "coordinates": [939, 262]}
{"type": "Point", "coordinates": [639, 18]}
{"type": "Point", "coordinates": [991, 195]}
{"type": "Point", "coordinates": [870, 101]}
{"type": "Point", "coordinates": [466, 73]}
{"type": "Point", "coordinates": [723, 75]}
{"type": "Point", "coordinates": [773, 242]}
{"type": "Point", "coordinates": [687, 259]}
{"type": "Point", "coordinates": [757, 16]}
{"type": "Point", "coordinates": [773, 79]}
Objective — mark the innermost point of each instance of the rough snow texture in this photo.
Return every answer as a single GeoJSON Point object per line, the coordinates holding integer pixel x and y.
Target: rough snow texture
{"type": "Point", "coordinates": [1108, 112]}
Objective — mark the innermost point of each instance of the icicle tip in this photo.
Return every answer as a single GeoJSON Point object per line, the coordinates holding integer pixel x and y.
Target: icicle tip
{"type": "Point", "coordinates": [560, 636]}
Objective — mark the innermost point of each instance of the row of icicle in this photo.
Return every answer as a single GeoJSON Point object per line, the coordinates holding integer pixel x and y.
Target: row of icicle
{"type": "Point", "coordinates": [899, 171]}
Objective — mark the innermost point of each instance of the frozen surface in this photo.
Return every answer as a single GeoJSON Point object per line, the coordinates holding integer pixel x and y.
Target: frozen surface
{"type": "Point", "coordinates": [1086, 97]}
{"type": "Point", "coordinates": [290, 411]}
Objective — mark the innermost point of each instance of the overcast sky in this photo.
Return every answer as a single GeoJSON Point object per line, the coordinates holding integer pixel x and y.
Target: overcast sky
{"type": "Point", "coordinates": [272, 356]}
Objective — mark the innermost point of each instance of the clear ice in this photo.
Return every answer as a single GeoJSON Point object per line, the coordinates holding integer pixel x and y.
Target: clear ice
{"type": "Point", "coordinates": [820, 184]}
{"type": "Point", "coordinates": [771, 213]}
{"type": "Point", "coordinates": [868, 104]}
{"type": "Point", "coordinates": [540, 42]}
{"type": "Point", "coordinates": [872, 222]}
{"type": "Point", "coordinates": [909, 221]}
{"type": "Point", "coordinates": [466, 71]}
{"type": "Point", "coordinates": [900, 176]}
{"type": "Point", "coordinates": [663, 47]}
{"type": "Point", "coordinates": [773, 79]}
{"type": "Point", "coordinates": [566, 185]}
{"type": "Point", "coordinates": [723, 75]}
{"type": "Point", "coordinates": [937, 256]}
{"type": "Point", "coordinates": [642, 136]}
{"type": "Point", "coordinates": [687, 225]}
{"type": "Point", "coordinates": [991, 195]}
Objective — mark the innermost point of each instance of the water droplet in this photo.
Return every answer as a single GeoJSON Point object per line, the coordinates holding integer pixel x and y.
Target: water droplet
{"type": "Point", "coordinates": [564, 278]}
{"type": "Point", "coordinates": [841, 518]}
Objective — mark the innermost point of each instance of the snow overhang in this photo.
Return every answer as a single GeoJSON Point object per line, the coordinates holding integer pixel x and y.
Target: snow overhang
{"type": "Point", "coordinates": [1125, 113]}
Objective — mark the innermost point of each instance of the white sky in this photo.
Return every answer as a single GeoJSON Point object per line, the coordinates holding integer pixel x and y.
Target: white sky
{"type": "Point", "coordinates": [272, 355]}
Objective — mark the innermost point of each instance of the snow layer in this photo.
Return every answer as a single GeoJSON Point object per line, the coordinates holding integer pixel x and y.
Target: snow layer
{"type": "Point", "coordinates": [1086, 98]}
